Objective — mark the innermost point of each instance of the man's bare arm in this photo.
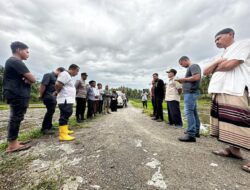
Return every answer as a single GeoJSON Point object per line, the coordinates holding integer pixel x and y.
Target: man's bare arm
{"type": "Point", "coordinates": [42, 90]}
{"type": "Point", "coordinates": [30, 77]}
{"type": "Point", "coordinates": [193, 78]}
{"type": "Point", "coordinates": [211, 68]}
{"type": "Point", "coordinates": [228, 65]}
{"type": "Point", "coordinates": [58, 86]}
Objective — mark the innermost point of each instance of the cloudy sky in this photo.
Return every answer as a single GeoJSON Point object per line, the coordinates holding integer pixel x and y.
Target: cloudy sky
{"type": "Point", "coordinates": [119, 42]}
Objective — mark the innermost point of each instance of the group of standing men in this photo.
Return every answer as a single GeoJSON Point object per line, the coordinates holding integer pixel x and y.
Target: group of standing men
{"type": "Point", "coordinates": [57, 88]}
{"type": "Point", "coordinates": [170, 92]}
{"type": "Point", "coordinates": [229, 87]}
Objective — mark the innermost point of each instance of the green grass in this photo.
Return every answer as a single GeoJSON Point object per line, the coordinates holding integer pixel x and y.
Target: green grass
{"type": "Point", "coordinates": [36, 133]}
{"type": "Point", "coordinates": [203, 105]}
{"type": "Point", "coordinates": [31, 106]}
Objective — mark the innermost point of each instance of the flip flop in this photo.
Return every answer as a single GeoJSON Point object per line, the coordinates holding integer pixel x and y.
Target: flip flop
{"type": "Point", "coordinates": [24, 147]}
{"type": "Point", "coordinates": [246, 167]}
{"type": "Point", "coordinates": [24, 142]}
{"type": "Point", "coordinates": [228, 154]}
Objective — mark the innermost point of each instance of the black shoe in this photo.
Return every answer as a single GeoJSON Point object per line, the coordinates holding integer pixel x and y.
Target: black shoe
{"type": "Point", "coordinates": [159, 120]}
{"type": "Point", "coordinates": [197, 135]}
{"type": "Point", "coordinates": [79, 121]}
{"type": "Point", "coordinates": [47, 132]}
{"type": "Point", "coordinates": [187, 138]}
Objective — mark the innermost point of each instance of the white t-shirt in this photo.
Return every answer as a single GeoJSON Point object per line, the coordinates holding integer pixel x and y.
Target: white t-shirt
{"type": "Point", "coordinates": [68, 91]}
{"type": "Point", "coordinates": [233, 82]}
{"type": "Point", "coordinates": [144, 96]}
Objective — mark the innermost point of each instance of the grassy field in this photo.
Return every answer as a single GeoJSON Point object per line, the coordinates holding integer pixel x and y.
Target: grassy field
{"type": "Point", "coordinates": [203, 109]}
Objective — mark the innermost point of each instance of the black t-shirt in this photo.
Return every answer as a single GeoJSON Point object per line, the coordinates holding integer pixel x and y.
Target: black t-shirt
{"type": "Point", "coordinates": [13, 83]}
{"type": "Point", "coordinates": [192, 87]}
{"type": "Point", "coordinates": [49, 81]}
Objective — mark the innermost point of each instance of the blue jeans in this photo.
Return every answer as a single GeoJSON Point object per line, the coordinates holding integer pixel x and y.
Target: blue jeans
{"type": "Point", "coordinates": [190, 109]}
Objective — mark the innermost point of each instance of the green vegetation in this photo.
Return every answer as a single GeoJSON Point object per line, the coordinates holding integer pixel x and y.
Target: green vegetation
{"type": "Point", "coordinates": [203, 109]}
{"type": "Point", "coordinates": [47, 184]}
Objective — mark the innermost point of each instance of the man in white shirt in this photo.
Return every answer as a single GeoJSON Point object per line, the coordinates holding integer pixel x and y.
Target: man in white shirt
{"type": "Point", "coordinates": [172, 97]}
{"type": "Point", "coordinates": [229, 85]}
{"type": "Point", "coordinates": [100, 101]}
{"type": "Point", "coordinates": [144, 99]}
{"type": "Point", "coordinates": [66, 98]}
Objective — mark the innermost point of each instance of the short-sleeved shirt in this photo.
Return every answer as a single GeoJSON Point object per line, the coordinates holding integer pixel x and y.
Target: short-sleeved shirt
{"type": "Point", "coordinates": [235, 81]}
{"type": "Point", "coordinates": [192, 87]}
{"type": "Point", "coordinates": [101, 92]}
{"type": "Point", "coordinates": [81, 88]}
{"type": "Point", "coordinates": [49, 81]}
{"type": "Point", "coordinates": [172, 93]}
{"type": "Point", "coordinates": [13, 84]}
{"type": "Point", "coordinates": [92, 93]}
{"type": "Point", "coordinates": [144, 96]}
{"type": "Point", "coordinates": [68, 91]}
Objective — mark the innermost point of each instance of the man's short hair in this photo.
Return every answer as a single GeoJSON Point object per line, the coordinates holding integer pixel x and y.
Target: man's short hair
{"type": "Point", "coordinates": [90, 82]}
{"type": "Point", "coordinates": [225, 31]}
{"type": "Point", "coordinates": [74, 67]}
{"type": "Point", "coordinates": [84, 74]}
{"type": "Point", "coordinates": [155, 74]}
{"type": "Point", "coordinates": [60, 69]}
{"type": "Point", "coordinates": [184, 58]}
{"type": "Point", "coordinates": [17, 45]}
{"type": "Point", "coordinates": [99, 84]}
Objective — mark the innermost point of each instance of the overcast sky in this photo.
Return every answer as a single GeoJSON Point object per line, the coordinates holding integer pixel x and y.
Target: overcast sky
{"type": "Point", "coordinates": [119, 42]}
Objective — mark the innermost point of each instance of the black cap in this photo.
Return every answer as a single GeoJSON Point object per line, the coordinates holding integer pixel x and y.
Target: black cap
{"type": "Point", "coordinates": [172, 71]}
{"type": "Point", "coordinates": [225, 31]}
{"type": "Point", "coordinates": [84, 74]}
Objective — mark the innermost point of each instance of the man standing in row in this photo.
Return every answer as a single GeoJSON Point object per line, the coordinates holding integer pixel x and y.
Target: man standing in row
{"type": "Point", "coordinates": [100, 100]}
{"type": "Point", "coordinates": [173, 91]}
{"type": "Point", "coordinates": [190, 86]}
{"type": "Point", "coordinates": [48, 95]}
{"type": "Point", "coordinates": [17, 82]}
{"type": "Point", "coordinates": [66, 98]}
{"type": "Point", "coordinates": [81, 97]}
{"type": "Point", "coordinates": [159, 95]}
{"type": "Point", "coordinates": [229, 86]}
{"type": "Point", "coordinates": [106, 100]}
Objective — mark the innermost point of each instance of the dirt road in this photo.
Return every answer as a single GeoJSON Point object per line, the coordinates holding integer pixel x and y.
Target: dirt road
{"type": "Point", "coordinates": [126, 150]}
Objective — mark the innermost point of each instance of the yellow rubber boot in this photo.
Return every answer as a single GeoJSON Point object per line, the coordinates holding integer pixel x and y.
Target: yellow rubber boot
{"type": "Point", "coordinates": [63, 134]}
{"type": "Point", "coordinates": [69, 131]}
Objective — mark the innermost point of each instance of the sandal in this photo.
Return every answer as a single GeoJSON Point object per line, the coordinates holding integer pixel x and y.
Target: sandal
{"type": "Point", "coordinates": [226, 153]}
{"type": "Point", "coordinates": [24, 142]}
{"type": "Point", "coordinates": [246, 167]}
{"type": "Point", "coordinates": [21, 148]}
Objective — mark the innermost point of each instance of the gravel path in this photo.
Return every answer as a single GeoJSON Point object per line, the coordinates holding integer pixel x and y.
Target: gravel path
{"type": "Point", "coordinates": [127, 150]}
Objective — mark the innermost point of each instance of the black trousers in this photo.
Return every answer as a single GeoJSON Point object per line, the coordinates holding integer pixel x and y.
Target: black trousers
{"type": "Point", "coordinates": [100, 106]}
{"type": "Point", "coordinates": [174, 113]}
{"type": "Point", "coordinates": [66, 111]}
{"type": "Point", "coordinates": [18, 108]}
{"type": "Point", "coordinates": [90, 112]}
{"type": "Point", "coordinates": [159, 109]}
{"type": "Point", "coordinates": [113, 105]}
{"type": "Point", "coordinates": [154, 106]}
{"type": "Point", "coordinates": [80, 107]}
{"type": "Point", "coordinates": [145, 104]}
{"type": "Point", "coordinates": [50, 104]}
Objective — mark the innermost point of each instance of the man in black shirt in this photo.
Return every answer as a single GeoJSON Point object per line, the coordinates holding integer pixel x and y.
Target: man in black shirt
{"type": "Point", "coordinates": [48, 95]}
{"type": "Point", "coordinates": [159, 95]}
{"type": "Point", "coordinates": [16, 85]}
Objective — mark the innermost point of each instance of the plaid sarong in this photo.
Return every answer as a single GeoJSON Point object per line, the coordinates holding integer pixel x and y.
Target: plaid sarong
{"type": "Point", "coordinates": [230, 119]}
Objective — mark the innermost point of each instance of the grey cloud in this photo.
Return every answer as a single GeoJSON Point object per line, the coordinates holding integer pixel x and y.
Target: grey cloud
{"type": "Point", "coordinates": [118, 42]}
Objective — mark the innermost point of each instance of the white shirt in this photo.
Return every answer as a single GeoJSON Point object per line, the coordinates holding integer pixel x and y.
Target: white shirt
{"type": "Point", "coordinates": [172, 90]}
{"type": "Point", "coordinates": [68, 91]}
{"type": "Point", "coordinates": [144, 96]}
{"type": "Point", "coordinates": [233, 82]}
